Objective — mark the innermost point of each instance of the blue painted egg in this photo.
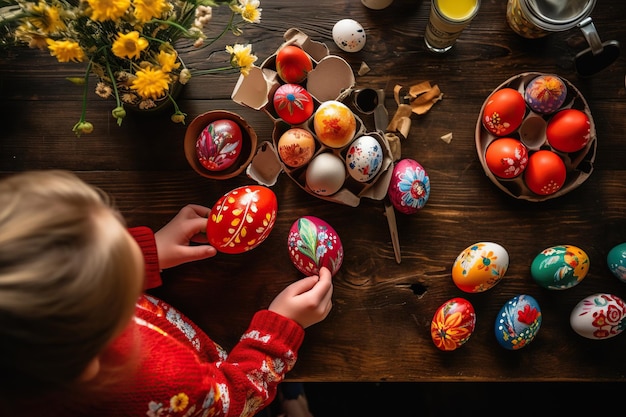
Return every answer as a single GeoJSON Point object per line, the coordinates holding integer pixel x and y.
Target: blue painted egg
{"type": "Point", "coordinates": [545, 94]}
{"type": "Point", "coordinates": [616, 260]}
{"type": "Point", "coordinates": [560, 267]}
{"type": "Point", "coordinates": [518, 322]}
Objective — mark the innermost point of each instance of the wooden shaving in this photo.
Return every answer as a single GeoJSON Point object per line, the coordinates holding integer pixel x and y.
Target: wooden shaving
{"type": "Point", "coordinates": [447, 138]}
{"type": "Point", "coordinates": [364, 69]}
{"type": "Point", "coordinates": [421, 96]}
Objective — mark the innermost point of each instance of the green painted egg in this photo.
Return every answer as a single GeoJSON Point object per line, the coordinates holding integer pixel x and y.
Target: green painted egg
{"type": "Point", "coordinates": [560, 267]}
{"type": "Point", "coordinates": [616, 260]}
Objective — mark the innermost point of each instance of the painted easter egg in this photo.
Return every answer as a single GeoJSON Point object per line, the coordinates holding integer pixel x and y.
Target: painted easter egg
{"type": "Point", "coordinates": [504, 112]}
{"type": "Point", "coordinates": [545, 172]}
{"type": "Point", "coordinates": [599, 316]}
{"type": "Point", "coordinates": [312, 244]}
{"type": "Point", "coordinates": [219, 144]}
{"type": "Point", "coordinates": [518, 322]}
{"type": "Point", "coordinates": [334, 124]}
{"type": "Point", "coordinates": [293, 103]}
{"type": "Point", "coordinates": [453, 324]}
{"type": "Point", "coordinates": [480, 267]}
{"type": "Point", "coordinates": [364, 158]}
{"type": "Point", "coordinates": [349, 35]}
{"type": "Point", "coordinates": [616, 260]}
{"type": "Point", "coordinates": [293, 64]}
{"type": "Point", "coordinates": [296, 147]}
{"type": "Point", "coordinates": [569, 130]}
{"type": "Point", "coordinates": [409, 187]}
{"type": "Point", "coordinates": [560, 267]}
{"type": "Point", "coordinates": [545, 94]}
{"type": "Point", "coordinates": [242, 219]}
{"type": "Point", "coordinates": [506, 157]}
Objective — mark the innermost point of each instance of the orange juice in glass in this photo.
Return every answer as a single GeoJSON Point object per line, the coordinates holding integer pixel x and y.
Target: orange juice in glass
{"type": "Point", "coordinates": [447, 20]}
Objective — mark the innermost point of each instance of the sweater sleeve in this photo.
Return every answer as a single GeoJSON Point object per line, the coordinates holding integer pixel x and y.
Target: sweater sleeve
{"type": "Point", "coordinates": [145, 238]}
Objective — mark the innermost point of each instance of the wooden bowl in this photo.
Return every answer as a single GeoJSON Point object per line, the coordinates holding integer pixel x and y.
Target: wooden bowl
{"type": "Point", "coordinates": [248, 148]}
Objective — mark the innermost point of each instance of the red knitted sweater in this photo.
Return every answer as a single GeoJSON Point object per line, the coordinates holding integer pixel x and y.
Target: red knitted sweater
{"type": "Point", "coordinates": [182, 372]}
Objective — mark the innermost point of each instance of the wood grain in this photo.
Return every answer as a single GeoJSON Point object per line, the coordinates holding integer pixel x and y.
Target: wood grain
{"type": "Point", "coordinates": [379, 328]}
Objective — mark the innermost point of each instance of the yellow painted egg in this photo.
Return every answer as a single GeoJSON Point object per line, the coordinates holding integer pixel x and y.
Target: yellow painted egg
{"type": "Point", "coordinates": [480, 267]}
{"type": "Point", "coordinates": [334, 124]}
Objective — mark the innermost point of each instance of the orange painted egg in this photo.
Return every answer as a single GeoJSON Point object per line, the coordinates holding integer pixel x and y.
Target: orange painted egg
{"type": "Point", "coordinates": [293, 103]}
{"type": "Point", "coordinates": [312, 244]}
{"type": "Point", "coordinates": [453, 324]}
{"type": "Point", "coordinates": [334, 124]}
{"type": "Point", "coordinates": [293, 64]}
{"type": "Point", "coordinates": [569, 130]}
{"type": "Point", "coordinates": [480, 267]}
{"type": "Point", "coordinates": [504, 112]}
{"type": "Point", "coordinates": [242, 219]}
{"type": "Point", "coordinates": [545, 173]}
{"type": "Point", "coordinates": [296, 147]}
{"type": "Point", "coordinates": [506, 157]}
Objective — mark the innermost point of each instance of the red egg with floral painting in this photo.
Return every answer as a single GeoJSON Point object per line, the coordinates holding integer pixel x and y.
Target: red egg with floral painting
{"type": "Point", "coordinates": [312, 244]}
{"type": "Point", "coordinates": [293, 103]}
{"type": "Point", "coordinates": [545, 173]}
{"type": "Point", "coordinates": [453, 323]}
{"type": "Point", "coordinates": [242, 219]}
{"type": "Point", "coordinates": [506, 157]}
{"type": "Point", "coordinates": [293, 64]}
{"type": "Point", "coordinates": [219, 144]}
{"type": "Point", "coordinates": [504, 112]}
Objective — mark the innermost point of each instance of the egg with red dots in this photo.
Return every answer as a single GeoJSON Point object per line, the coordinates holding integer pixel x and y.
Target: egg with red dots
{"type": "Point", "coordinates": [364, 158]}
{"type": "Point", "coordinates": [219, 145]}
{"type": "Point", "coordinates": [409, 187]}
{"type": "Point", "coordinates": [293, 103]}
{"type": "Point", "coordinates": [545, 94]}
{"type": "Point", "coordinates": [242, 219]}
{"type": "Point", "coordinates": [312, 244]}
{"type": "Point", "coordinates": [349, 35]}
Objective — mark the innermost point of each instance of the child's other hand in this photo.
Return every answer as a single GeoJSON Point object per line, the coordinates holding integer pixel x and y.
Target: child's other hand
{"type": "Point", "coordinates": [307, 301]}
{"type": "Point", "coordinates": [173, 240]}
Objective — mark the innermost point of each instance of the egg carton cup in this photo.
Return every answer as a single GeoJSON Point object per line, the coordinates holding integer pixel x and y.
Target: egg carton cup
{"type": "Point", "coordinates": [248, 146]}
{"type": "Point", "coordinates": [532, 133]}
{"type": "Point", "coordinates": [331, 78]}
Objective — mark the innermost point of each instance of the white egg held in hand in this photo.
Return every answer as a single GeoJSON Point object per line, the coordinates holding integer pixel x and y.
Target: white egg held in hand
{"type": "Point", "coordinates": [349, 35]}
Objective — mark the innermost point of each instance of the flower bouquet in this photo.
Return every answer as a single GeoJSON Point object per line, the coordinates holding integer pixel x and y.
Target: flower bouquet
{"type": "Point", "coordinates": [129, 45]}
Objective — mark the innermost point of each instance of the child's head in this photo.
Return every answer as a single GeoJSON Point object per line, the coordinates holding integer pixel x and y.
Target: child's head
{"type": "Point", "coordinates": [70, 274]}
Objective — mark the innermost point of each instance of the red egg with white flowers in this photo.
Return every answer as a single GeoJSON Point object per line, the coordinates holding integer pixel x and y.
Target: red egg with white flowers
{"type": "Point", "coordinates": [312, 244]}
{"type": "Point", "coordinates": [293, 103]}
{"type": "Point", "coordinates": [293, 64]}
{"type": "Point", "coordinates": [242, 219]}
{"type": "Point", "coordinates": [569, 130]}
{"type": "Point", "coordinates": [504, 111]}
{"type": "Point", "coordinates": [506, 157]}
{"type": "Point", "coordinates": [219, 144]}
{"type": "Point", "coordinates": [545, 173]}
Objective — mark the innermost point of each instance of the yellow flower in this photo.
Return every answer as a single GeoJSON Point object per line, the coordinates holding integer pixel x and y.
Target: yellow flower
{"type": "Point", "coordinates": [179, 402]}
{"type": "Point", "coordinates": [241, 57]}
{"type": "Point", "coordinates": [129, 45]}
{"type": "Point", "coordinates": [108, 9]}
{"type": "Point", "coordinates": [66, 51]}
{"type": "Point", "coordinates": [47, 18]}
{"type": "Point", "coordinates": [249, 10]}
{"type": "Point", "coordinates": [151, 83]}
{"type": "Point", "coordinates": [167, 61]}
{"type": "Point", "coordinates": [149, 9]}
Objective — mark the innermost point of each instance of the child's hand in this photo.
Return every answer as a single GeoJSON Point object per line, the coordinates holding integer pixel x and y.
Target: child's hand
{"type": "Point", "coordinates": [173, 240]}
{"type": "Point", "coordinates": [307, 301]}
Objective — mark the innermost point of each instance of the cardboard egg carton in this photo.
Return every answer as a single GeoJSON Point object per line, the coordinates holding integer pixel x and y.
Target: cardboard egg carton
{"type": "Point", "coordinates": [331, 78]}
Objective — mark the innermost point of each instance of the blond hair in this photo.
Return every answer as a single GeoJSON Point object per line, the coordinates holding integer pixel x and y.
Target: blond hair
{"type": "Point", "coordinates": [68, 278]}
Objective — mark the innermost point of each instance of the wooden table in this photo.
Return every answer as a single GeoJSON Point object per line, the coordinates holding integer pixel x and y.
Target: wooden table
{"type": "Point", "coordinates": [379, 328]}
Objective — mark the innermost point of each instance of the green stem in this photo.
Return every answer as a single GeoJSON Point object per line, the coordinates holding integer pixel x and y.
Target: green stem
{"type": "Point", "coordinates": [85, 89]}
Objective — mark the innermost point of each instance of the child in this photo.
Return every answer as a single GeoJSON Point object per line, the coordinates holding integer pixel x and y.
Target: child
{"type": "Point", "coordinates": [79, 337]}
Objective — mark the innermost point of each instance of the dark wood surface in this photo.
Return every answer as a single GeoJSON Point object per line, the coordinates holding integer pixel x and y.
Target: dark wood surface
{"type": "Point", "coordinates": [379, 328]}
